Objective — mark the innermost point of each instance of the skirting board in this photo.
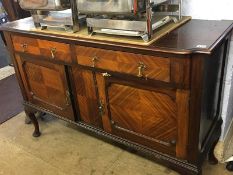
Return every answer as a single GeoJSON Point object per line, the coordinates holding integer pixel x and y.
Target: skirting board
{"type": "Point", "coordinates": [224, 149]}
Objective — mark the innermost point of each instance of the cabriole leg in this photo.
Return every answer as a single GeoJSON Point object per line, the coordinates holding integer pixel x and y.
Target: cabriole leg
{"type": "Point", "coordinates": [211, 157]}
{"type": "Point", "coordinates": [33, 119]}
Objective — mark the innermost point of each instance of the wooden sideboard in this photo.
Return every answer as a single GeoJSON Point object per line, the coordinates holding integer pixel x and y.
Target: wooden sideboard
{"type": "Point", "coordinates": [162, 100]}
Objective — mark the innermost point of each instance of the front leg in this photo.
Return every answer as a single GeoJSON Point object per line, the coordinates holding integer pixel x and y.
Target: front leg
{"type": "Point", "coordinates": [211, 157]}
{"type": "Point", "coordinates": [33, 119]}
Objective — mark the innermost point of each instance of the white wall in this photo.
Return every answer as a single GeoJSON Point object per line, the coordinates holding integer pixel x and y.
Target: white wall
{"type": "Point", "coordinates": [217, 10]}
{"type": "Point", "coordinates": [208, 9]}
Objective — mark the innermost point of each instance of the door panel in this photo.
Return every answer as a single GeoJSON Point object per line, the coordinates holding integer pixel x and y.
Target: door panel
{"type": "Point", "coordinates": [86, 96]}
{"type": "Point", "coordinates": [146, 112]}
{"type": "Point", "coordinates": [46, 85]}
{"type": "Point", "coordinates": [146, 115]}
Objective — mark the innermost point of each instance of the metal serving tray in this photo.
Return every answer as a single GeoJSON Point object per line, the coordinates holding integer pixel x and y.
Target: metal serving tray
{"type": "Point", "coordinates": [113, 6]}
{"type": "Point", "coordinates": [44, 4]}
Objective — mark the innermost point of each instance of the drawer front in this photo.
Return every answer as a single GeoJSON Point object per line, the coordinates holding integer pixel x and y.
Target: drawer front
{"type": "Point", "coordinates": [142, 66]}
{"type": "Point", "coordinates": [48, 49]}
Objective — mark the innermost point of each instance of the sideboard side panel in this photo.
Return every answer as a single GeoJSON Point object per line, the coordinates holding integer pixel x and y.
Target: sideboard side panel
{"type": "Point", "coordinates": [9, 43]}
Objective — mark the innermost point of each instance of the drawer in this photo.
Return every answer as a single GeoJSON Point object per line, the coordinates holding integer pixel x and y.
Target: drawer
{"type": "Point", "coordinates": [49, 49]}
{"type": "Point", "coordinates": [134, 64]}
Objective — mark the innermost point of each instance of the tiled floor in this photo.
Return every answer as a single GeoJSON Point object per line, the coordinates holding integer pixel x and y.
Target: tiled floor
{"type": "Point", "coordinates": [62, 150]}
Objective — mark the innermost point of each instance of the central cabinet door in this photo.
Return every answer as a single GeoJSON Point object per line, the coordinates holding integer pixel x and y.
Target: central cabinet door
{"type": "Point", "coordinates": [46, 85]}
{"type": "Point", "coordinates": [145, 114]}
{"type": "Point", "coordinates": [86, 96]}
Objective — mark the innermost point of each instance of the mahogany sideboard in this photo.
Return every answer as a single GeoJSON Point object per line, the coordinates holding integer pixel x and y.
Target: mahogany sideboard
{"type": "Point", "coordinates": [162, 100]}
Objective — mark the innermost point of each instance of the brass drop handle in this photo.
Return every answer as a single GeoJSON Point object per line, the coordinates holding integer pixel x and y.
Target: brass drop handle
{"type": "Point", "coordinates": [68, 100]}
{"type": "Point", "coordinates": [94, 60]}
{"type": "Point", "coordinates": [24, 47]}
{"type": "Point", "coordinates": [141, 69]}
{"type": "Point", "coordinates": [53, 51]}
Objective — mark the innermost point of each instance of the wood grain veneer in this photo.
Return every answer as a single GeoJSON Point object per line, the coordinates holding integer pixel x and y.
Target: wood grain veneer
{"type": "Point", "coordinates": [61, 51]}
{"type": "Point", "coordinates": [155, 67]}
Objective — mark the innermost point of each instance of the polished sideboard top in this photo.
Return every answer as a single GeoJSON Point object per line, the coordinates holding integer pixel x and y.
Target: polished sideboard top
{"type": "Point", "coordinates": [195, 36]}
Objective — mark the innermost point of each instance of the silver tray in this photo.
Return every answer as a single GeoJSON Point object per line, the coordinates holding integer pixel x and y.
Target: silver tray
{"type": "Point", "coordinates": [44, 4]}
{"type": "Point", "coordinates": [112, 6]}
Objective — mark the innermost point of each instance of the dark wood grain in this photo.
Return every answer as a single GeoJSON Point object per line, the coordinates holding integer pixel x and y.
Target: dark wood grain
{"type": "Point", "coordinates": [183, 106]}
{"type": "Point", "coordinates": [197, 69]}
{"type": "Point", "coordinates": [181, 41]}
{"type": "Point", "coordinates": [46, 85]}
{"type": "Point", "coordinates": [86, 96]}
{"type": "Point", "coordinates": [194, 33]}
{"type": "Point", "coordinates": [100, 80]}
{"type": "Point", "coordinates": [31, 114]}
{"type": "Point", "coordinates": [180, 72]}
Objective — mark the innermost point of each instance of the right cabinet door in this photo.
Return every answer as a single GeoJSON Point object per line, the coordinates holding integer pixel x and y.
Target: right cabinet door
{"type": "Point", "coordinates": [152, 116]}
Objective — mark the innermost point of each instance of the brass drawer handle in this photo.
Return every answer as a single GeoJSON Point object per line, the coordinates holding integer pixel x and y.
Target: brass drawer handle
{"type": "Point", "coordinates": [94, 60]}
{"type": "Point", "coordinates": [141, 69]}
{"type": "Point", "coordinates": [53, 51]}
{"type": "Point", "coordinates": [68, 100]}
{"type": "Point", "coordinates": [24, 47]}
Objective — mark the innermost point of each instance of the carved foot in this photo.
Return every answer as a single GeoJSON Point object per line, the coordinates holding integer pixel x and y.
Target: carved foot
{"type": "Point", "coordinates": [229, 166]}
{"type": "Point", "coordinates": [36, 134]}
{"type": "Point", "coordinates": [33, 119]}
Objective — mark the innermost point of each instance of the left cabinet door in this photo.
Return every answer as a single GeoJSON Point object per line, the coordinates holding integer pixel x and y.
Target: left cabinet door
{"type": "Point", "coordinates": [46, 85]}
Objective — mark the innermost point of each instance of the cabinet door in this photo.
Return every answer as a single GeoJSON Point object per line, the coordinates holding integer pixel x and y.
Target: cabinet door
{"type": "Point", "coordinates": [46, 85]}
{"type": "Point", "coordinates": [86, 96]}
{"type": "Point", "coordinates": [152, 116]}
